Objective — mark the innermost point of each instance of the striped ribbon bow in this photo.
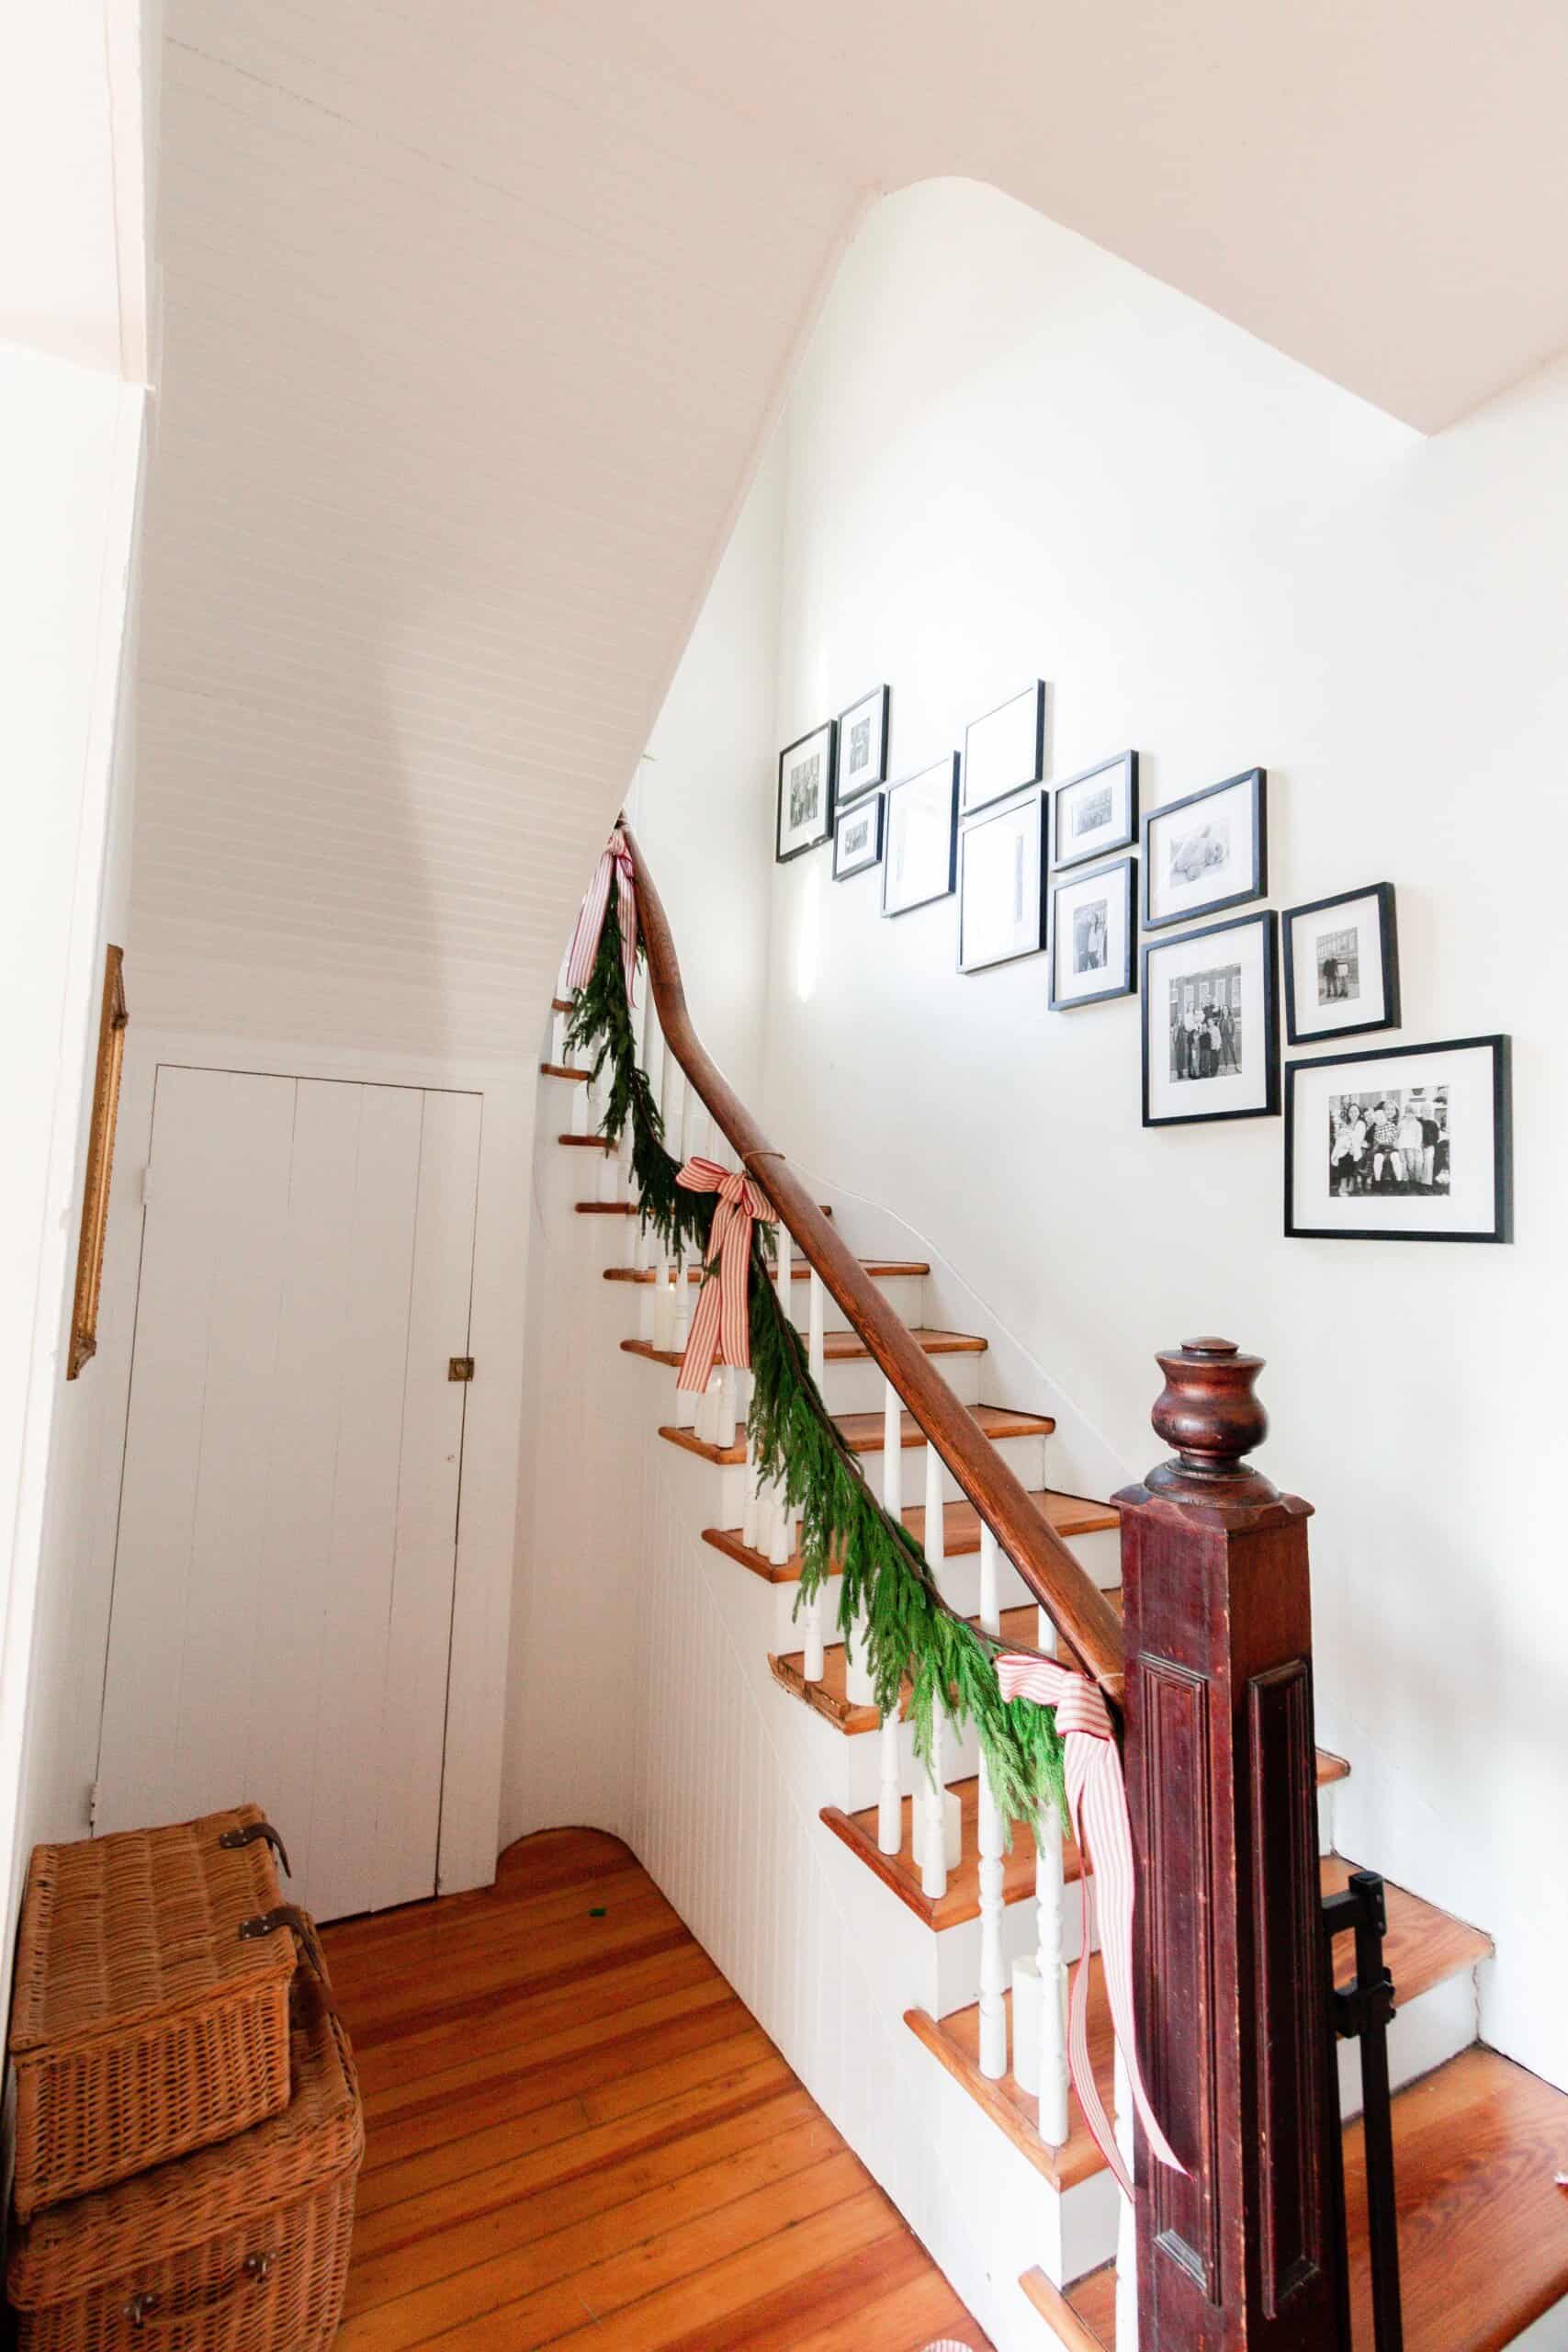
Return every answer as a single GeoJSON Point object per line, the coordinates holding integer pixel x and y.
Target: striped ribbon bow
{"type": "Point", "coordinates": [721, 1328]}
{"type": "Point", "coordinates": [616, 860]}
{"type": "Point", "coordinates": [1096, 1802]}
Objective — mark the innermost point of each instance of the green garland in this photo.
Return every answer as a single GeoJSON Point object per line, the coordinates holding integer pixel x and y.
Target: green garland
{"type": "Point", "coordinates": [911, 1635]}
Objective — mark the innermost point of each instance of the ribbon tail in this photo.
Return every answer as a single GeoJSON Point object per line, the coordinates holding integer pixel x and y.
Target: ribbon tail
{"type": "Point", "coordinates": [1078, 2063]}
{"type": "Point", "coordinates": [625, 900]}
{"type": "Point", "coordinates": [701, 1342]}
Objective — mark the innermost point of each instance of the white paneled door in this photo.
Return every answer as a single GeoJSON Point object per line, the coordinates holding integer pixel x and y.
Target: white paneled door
{"type": "Point", "coordinates": [284, 1575]}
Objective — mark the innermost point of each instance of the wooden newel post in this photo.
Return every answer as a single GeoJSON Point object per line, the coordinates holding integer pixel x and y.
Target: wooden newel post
{"type": "Point", "coordinates": [1222, 1780]}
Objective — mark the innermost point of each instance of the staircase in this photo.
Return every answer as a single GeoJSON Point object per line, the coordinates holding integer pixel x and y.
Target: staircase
{"type": "Point", "coordinates": [1027, 2231]}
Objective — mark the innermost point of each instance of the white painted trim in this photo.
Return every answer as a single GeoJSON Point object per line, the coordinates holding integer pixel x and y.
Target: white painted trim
{"type": "Point", "coordinates": [481, 1617]}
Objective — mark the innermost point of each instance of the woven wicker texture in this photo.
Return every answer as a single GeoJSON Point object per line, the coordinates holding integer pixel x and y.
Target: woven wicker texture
{"type": "Point", "coordinates": [141, 2026]}
{"type": "Point", "coordinates": [238, 2248]}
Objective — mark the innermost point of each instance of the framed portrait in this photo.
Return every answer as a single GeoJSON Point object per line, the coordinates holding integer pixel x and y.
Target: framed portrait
{"type": "Point", "coordinates": [1006, 750]}
{"type": "Point", "coordinates": [1001, 885]}
{"type": "Point", "coordinates": [857, 837]}
{"type": "Point", "coordinates": [863, 745]}
{"type": "Point", "coordinates": [1407, 1143]}
{"type": "Point", "coordinates": [920, 860]}
{"type": "Point", "coordinates": [1210, 1023]}
{"type": "Point", "coordinates": [112, 1022]}
{"type": "Point", "coordinates": [1341, 965]}
{"type": "Point", "coordinates": [1096, 812]}
{"type": "Point", "coordinates": [805, 791]}
{"type": "Point", "coordinates": [1206, 851]}
{"type": "Point", "coordinates": [1092, 924]}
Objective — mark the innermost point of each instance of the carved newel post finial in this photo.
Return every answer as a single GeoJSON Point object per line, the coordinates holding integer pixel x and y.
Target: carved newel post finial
{"type": "Point", "coordinates": [1208, 1411]}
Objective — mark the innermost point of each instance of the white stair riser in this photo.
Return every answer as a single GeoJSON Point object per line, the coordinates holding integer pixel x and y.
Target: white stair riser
{"type": "Point", "coordinates": [905, 1294]}
{"type": "Point", "coordinates": [858, 1386]}
{"type": "Point", "coordinates": [1025, 1457]}
{"type": "Point", "coordinates": [960, 1582]}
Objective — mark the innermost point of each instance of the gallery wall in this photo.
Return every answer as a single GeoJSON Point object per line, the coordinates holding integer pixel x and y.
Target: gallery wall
{"type": "Point", "coordinates": [1009, 456]}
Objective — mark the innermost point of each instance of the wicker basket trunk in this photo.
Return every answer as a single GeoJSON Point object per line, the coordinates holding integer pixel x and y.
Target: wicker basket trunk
{"type": "Point", "coordinates": [141, 2025]}
{"type": "Point", "coordinates": [238, 2248]}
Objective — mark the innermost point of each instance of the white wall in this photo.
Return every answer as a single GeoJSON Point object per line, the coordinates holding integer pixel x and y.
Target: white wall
{"type": "Point", "coordinates": [1009, 455]}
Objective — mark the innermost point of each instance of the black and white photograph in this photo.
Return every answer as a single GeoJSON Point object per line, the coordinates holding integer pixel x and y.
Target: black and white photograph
{"type": "Point", "coordinates": [805, 791]}
{"type": "Point", "coordinates": [1001, 885]}
{"type": "Point", "coordinates": [863, 745]}
{"type": "Point", "coordinates": [1210, 1023]}
{"type": "Point", "coordinates": [1091, 935]}
{"type": "Point", "coordinates": [1006, 750]}
{"type": "Point", "coordinates": [1341, 965]}
{"type": "Point", "coordinates": [921, 859]}
{"type": "Point", "coordinates": [1096, 812]}
{"type": "Point", "coordinates": [857, 837]}
{"type": "Point", "coordinates": [1407, 1142]}
{"type": "Point", "coordinates": [1207, 851]}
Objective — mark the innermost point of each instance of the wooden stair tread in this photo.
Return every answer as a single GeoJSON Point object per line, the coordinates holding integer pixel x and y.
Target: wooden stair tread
{"type": "Point", "coordinates": [1068, 1514]}
{"type": "Point", "coordinates": [880, 1269]}
{"type": "Point", "coordinates": [563, 1070]}
{"type": "Point", "coordinates": [901, 1871]}
{"type": "Point", "coordinates": [831, 1696]}
{"type": "Point", "coordinates": [840, 1347]}
{"type": "Point", "coordinates": [956, 2041]}
{"type": "Point", "coordinates": [1482, 2228]}
{"type": "Point", "coordinates": [584, 1143]}
{"type": "Point", "coordinates": [1423, 1946]}
{"type": "Point", "coordinates": [606, 1208]}
{"type": "Point", "coordinates": [561, 1004]}
{"type": "Point", "coordinates": [861, 1432]}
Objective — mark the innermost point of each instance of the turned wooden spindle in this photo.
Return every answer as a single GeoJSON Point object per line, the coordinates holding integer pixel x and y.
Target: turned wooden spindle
{"type": "Point", "coordinates": [1221, 1763]}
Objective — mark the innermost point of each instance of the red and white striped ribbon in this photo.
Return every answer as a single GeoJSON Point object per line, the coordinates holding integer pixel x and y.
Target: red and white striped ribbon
{"type": "Point", "coordinates": [616, 860]}
{"type": "Point", "coordinates": [1097, 1801]}
{"type": "Point", "coordinates": [721, 1326]}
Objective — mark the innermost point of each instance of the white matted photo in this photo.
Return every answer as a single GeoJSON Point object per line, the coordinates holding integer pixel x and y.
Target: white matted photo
{"type": "Point", "coordinates": [1096, 812]}
{"type": "Point", "coordinates": [1341, 965]}
{"type": "Point", "coordinates": [805, 791]}
{"type": "Point", "coordinates": [1207, 851]}
{"type": "Point", "coordinates": [863, 745]}
{"type": "Point", "coordinates": [1091, 935]}
{"type": "Point", "coordinates": [857, 837]}
{"type": "Point", "coordinates": [1407, 1142]}
{"type": "Point", "coordinates": [1210, 1024]}
{"type": "Point", "coordinates": [1006, 750]}
{"type": "Point", "coordinates": [1001, 885]}
{"type": "Point", "coordinates": [920, 856]}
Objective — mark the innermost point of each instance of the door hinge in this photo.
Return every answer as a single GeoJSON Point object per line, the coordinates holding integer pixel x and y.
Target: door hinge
{"type": "Point", "coordinates": [94, 1794]}
{"type": "Point", "coordinates": [459, 1368]}
{"type": "Point", "coordinates": [146, 1184]}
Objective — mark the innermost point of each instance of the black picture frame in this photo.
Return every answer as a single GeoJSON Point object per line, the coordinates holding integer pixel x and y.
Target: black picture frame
{"type": "Point", "coordinates": [1035, 760]}
{"type": "Point", "coordinates": [1258, 883]}
{"type": "Point", "coordinates": [1126, 983]}
{"type": "Point", "coordinates": [1126, 839]}
{"type": "Point", "coordinates": [829, 727]}
{"type": "Point", "coordinates": [1033, 805]}
{"type": "Point", "coordinates": [883, 698]}
{"type": "Point", "coordinates": [861, 806]}
{"type": "Point", "coordinates": [1270, 1107]}
{"type": "Point", "coordinates": [1500, 1046]}
{"type": "Point", "coordinates": [920, 776]}
{"type": "Point", "coordinates": [1388, 938]}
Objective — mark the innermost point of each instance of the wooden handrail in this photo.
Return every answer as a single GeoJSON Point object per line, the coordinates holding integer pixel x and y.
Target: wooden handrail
{"type": "Point", "coordinates": [1078, 1608]}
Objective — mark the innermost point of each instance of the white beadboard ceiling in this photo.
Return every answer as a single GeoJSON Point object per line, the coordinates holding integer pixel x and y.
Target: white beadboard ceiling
{"type": "Point", "coordinates": [476, 314]}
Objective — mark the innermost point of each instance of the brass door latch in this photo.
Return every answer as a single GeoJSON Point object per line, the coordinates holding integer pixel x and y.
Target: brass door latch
{"type": "Point", "coordinates": [460, 1368]}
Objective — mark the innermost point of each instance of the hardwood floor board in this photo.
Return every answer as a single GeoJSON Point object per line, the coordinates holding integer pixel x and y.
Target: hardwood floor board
{"type": "Point", "coordinates": [563, 2195]}
{"type": "Point", "coordinates": [480, 2150]}
{"type": "Point", "coordinates": [580, 2138]}
{"type": "Point", "coordinates": [556, 2252]}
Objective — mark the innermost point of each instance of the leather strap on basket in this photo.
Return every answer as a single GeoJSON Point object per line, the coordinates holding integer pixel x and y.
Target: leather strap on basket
{"type": "Point", "coordinates": [233, 1839]}
{"type": "Point", "coordinates": [288, 1915]}
{"type": "Point", "coordinates": [154, 2310]}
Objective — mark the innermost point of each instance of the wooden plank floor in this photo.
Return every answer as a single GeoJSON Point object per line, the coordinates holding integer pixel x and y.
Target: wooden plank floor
{"type": "Point", "coordinates": [579, 2136]}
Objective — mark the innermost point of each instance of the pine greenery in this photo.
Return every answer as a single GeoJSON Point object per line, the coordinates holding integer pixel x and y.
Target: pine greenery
{"type": "Point", "coordinates": [889, 1594]}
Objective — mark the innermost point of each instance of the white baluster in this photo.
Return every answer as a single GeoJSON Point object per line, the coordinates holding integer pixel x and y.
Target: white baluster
{"type": "Point", "coordinates": [890, 1795]}
{"type": "Point", "coordinates": [990, 1608]}
{"type": "Point", "coordinates": [993, 1981]}
{"type": "Point", "coordinates": [751, 1507]}
{"type": "Point", "coordinates": [579, 1122]}
{"type": "Point", "coordinates": [814, 1663]}
{"type": "Point", "coordinates": [1126, 2224]}
{"type": "Point", "coordinates": [723, 1412]}
{"type": "Point", "coordinates": [934, 1807]}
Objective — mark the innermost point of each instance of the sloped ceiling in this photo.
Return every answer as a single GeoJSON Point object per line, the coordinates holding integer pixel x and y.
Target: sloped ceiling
{"type": "Point", "coordinates": [477, 316]}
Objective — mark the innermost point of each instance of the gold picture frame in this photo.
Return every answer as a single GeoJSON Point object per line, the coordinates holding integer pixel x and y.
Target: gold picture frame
{"type": "Point", "coordinates": [112, 1022]}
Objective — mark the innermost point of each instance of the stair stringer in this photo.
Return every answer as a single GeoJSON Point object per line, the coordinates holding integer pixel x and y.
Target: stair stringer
{"type": "Point", "coordinates": [725, 1819]}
